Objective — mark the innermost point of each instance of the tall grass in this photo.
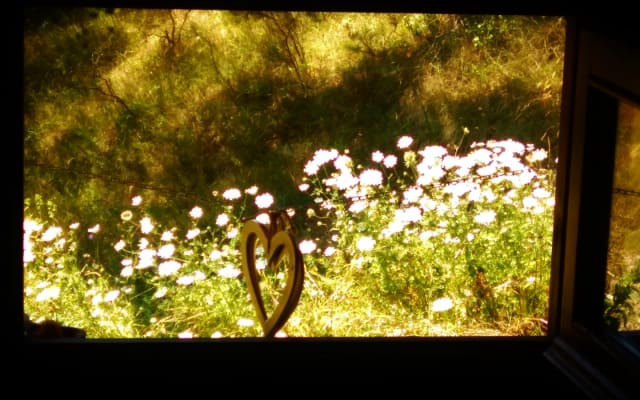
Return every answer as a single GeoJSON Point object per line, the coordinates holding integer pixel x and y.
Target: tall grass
{"type": "Point", "coordinates": [418, 241]}
{"type": "Point", "coordinates": [184, 109]}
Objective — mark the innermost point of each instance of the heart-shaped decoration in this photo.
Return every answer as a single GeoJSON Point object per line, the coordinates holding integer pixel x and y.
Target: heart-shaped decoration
{"type": "Point", "coordinates": [279, 247]}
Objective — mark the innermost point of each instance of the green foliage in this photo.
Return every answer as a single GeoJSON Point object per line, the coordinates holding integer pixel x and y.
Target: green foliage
{"type": "Point", "coordinates": [621, 298]}
{"type": "Point", "coordinates": [174, 105]}
{"type": "Point", "coordinates": [180, 101]}
{"type": "Point", "coordinates": [433, 244]}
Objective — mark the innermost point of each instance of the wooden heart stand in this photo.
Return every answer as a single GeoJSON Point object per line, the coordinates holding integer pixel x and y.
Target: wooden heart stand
{"type": "Point", "coordinates": [280, 247]}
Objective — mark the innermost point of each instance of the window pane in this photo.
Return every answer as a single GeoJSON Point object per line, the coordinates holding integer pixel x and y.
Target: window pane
{"type": "Point", "coordinates": [622, 300]}
{"type": "Point", "coordinates": [414, 156]}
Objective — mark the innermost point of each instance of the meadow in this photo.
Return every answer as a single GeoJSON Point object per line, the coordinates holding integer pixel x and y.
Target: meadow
{"type": "Point", "coordinates": [415, 155]}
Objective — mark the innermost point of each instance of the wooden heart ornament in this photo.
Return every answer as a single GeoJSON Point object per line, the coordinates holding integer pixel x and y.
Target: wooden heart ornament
{"type": "Point", "coordinates": [279, 248]}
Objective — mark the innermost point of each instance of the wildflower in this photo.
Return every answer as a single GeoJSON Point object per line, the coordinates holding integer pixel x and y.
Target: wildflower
{"type": "Point", "coordinates": [146, 258]}
{"type": "Point", "coordinates": [51, 234]}
{"type": "Point", "coordinates": [303, 187]}
{"type": "Point", "coordinates": [27, 254]}
{"type": "Point", "coordinates": [395, 226]}
{"type": "Point", "coordinates": [428, 174]}
{"type": "Point", "coordinates": [192, 233]}
{"type": "Point", "coordinates": [371, 177]}
{"type": "Point", "coordinates": [412, 194]}
{"type": "Point", "coordinates": [119, 245]}
{"type": "Point", "coordinates": [49, 293]}
{"type": "Point", "coordinates": [390, 161]}
{"type": "Point", "coordinates": [481, 156]}
{"type": "Point", "coordinates": [441, 304]}
{"type": "Point", "coordinates": [222, 219]}
{"type": "Point", "coordinates": [167, 268]}
{"type": "Point", "coordinates": [143, 243]}
{"type": "Point", "coordinates": [365, 243]}
{"type": "Point", "coordinates": [485, 217]}
{"type": "Point", "coordinates": [126, 215]}
{"type": "Point", "coordinates": [185, 280]}
{"type": "Point", "coordinates": [264, 200]}
{"type": "Point", "coordinates": [541, 193]}
{"type": "Point", "coordinates": [358, 206]}
{"type": "Point", "coordinates": [329, 251]}
{"type": "Point", "coordinates": [232, 233]}
{"type": "Point", "coordinates": [167, 236]}
{"type": "Point", "coordinates": [215, 255]}
{"type": "Point", "coordinates": [31, 226]}
{"type": "Point", "coordinates": [486, 170]}
{"type": "Point", "coordinates": [185, 335]}
{"type": "Point", "coordinates": [377, 156]}
{"type": "Point", "coordinates": [74, 225]}
{"type": "Point", "coordinates": [229, 271]}
{"type": "Point", "coordinates": [307, 246]}
{"type": "Point", "coordinates": [136, 201]}
{"type": "Point", "coordinates": [345, 181]}
{"type": "Point", "coordinates": [160, 292]}
{"type": "Point", "coordinates": [112, 295]}
{"type": "Point", "coordinates": [97, 299]}
{"type": "Point", "coordinates": [232, 194]}
{"type": "Point", "coordinates": [509, 145]}
{"type": "Point", "coordinates": [252, 190]}
{"type": "Point", "coordinates": [196, 212]}
{"type": "Point", "coordinates": [311, 168]}
{"type": "Point", "coordinates": [537, 155]}
{"type": "Point", "coordinates": [431, 153]}
{"type": "Point", "coordinates": [126, 272]}
{"type": "Point", "coordinates": [411, 214]}
{"type": "Point", "coordinates": [263, 218]}
{"type": "Point", "coordinates": [320, 157]}
{"type": "Point", "coordinates": [529, 202]}
{"type": "Point", "coordinates": [245, 322]}
{"type": "Point", "coordinates": [166, 251]}
{"type": "Point", "coordinates": [404, 142]}
{"type": "Point", "coordinates": [458, 189]}
{"type": "Point", "coordinates": [198, 275]}
{"type": "Point", "coordinates": [146, 226]}
{"type": "Point", "coordinates": [343, 163]}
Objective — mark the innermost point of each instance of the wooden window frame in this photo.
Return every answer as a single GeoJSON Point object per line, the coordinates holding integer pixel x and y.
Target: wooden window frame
{"type": "Point", "coordinates": [604, 70]}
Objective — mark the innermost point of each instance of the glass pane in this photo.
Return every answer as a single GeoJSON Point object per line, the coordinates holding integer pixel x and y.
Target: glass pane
{"type": "Point", "coordinates": [622, 302]}
{"type": "Point", "coordinates": [411, 156]}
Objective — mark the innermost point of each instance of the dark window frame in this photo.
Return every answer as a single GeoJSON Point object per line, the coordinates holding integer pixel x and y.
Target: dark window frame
{"type": "Point", "coordinates": [598, 57]}
{"type": "Point", "coordinates": [605, 71]}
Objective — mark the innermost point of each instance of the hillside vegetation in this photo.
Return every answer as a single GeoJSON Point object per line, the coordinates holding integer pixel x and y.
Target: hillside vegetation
{"type": "Point", "coordinates": [177, 107]}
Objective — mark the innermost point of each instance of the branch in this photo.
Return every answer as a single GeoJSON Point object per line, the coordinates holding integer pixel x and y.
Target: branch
{"type": "Point", "coordinates": [111, 94]}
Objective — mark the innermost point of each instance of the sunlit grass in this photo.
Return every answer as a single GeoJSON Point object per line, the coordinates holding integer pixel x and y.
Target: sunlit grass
{"type": "Point", "coordinates": [417, 242]}
{"type": "Point", "coordinates": [211, 102]}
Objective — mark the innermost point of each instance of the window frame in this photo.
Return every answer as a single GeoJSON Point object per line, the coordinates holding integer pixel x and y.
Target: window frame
{"type": "Point", "coordinates": [604, 71]}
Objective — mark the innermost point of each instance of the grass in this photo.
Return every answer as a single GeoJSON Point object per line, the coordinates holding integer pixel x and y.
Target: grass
{"type": "Point", "coordinates": [417, 242]}
{"type": "Point", "coordinates": [180, 106]}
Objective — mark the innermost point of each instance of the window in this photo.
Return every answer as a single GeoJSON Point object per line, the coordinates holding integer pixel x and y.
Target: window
{"type": "Point", "coordinates": [602, 124]}
{"type": "Point", "coordinates": [623, 270]}
{"type": "Point", "coordinates": [414, 154]}
{"type": "Point", "coordinates": [579, 350]}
